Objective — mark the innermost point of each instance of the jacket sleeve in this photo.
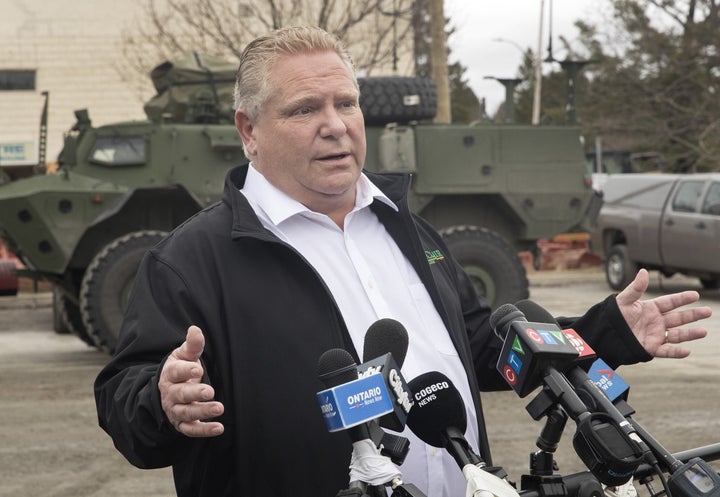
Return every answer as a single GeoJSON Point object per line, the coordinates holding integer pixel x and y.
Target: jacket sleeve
{"type": "Point", "coordinates": [126, 390]}
{"type": "Point", "coordinates": [604, 328]}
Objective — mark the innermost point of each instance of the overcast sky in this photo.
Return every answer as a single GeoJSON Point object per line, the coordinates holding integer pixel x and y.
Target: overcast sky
{"type": "Point", "coordinates": [479, 22]}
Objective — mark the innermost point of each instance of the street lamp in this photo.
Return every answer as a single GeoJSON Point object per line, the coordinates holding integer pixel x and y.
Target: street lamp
{"type": "Point", "coordinates": [537, 70]}
{"type": "Point", "coordinates": [513, 43]}
{"type": "Point", "coordinates": [509, 84]}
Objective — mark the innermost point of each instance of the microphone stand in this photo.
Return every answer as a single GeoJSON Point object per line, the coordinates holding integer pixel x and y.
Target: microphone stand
{"type": "Point", "coordinates": [362, 489]}
{"type": "Point", "coordinates": [542, 479]}
{"type": "Point", "coordinates": [359, 488]}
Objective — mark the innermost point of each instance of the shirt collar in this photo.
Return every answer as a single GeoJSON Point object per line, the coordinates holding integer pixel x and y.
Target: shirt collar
{"type": "Point", "coordinates": [279, 206]}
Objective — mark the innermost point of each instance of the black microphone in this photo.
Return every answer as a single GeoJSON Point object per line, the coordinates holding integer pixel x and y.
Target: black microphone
{"type": "Point", "coordinates": [337, 367]}
{"type": "Point", "coordinates": [438, 417]}
{"type": "Point", "coordinates": [529, 350]}
{"type": "Point", "coordinates": [386, 336]}
{"type": "Point", "coordinates": [385, 348]}
{"type": "Point", "coordinates": [604, 440]}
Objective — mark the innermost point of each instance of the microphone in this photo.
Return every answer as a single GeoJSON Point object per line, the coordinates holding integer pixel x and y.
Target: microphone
{"type": "Point", "coordinates": [438, 418]}
{"type": "Point", "coordinates": [386, 336]}
{"type": "Point", "coordinates": [385, 348]}
{"type": "Point", "coordinates": [348, 401]}
{"type": "Point", "coordinates": [529, 349]}
{"type": "Point", "coordinates": [604, 440]}
{"type": "Point", "coordinates": [692, 478]}
{"type": "Point", "coordinates": [535, 312]}
{"type": "Point", "coordinates": [348, 404]}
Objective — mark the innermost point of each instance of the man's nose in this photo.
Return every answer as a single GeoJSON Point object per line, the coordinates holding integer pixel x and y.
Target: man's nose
{"type": "Point", "coordinates": [333, 124]}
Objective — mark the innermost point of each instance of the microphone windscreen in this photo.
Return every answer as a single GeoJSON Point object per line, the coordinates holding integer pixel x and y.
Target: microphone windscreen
{"type": "Point", "coordinates": [535, 312]}
{"type": "Point", "coordinates": [501, 318]}
{"type": "Point", "coordinates": [383, 336]}
{"type": "Point", "coordinates": [335, 367]}
{"type": "Point", "coordinates": [438, 406]}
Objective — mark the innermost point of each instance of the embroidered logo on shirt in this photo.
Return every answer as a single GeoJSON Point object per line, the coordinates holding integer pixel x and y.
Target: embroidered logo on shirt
{"type": "Point", "coordinates": [434, 256]}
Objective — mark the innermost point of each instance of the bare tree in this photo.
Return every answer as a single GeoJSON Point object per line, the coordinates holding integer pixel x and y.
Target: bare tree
{"type": "Point", "coordinates": [373, 30]}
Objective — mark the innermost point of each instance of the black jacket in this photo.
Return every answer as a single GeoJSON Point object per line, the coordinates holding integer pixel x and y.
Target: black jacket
{"type": "Point", "coordinates": [267, 317]}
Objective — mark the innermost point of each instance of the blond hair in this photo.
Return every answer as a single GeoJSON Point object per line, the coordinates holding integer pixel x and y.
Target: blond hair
{"type": "Point", "coordinates": [252, 87]}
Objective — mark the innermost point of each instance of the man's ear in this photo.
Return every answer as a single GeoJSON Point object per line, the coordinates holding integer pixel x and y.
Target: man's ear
{"type": "Point", "coordinates": [245, 127]}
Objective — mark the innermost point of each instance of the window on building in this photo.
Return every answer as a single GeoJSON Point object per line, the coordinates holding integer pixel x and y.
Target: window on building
{"type": "Point", "coordinates": [17, 79]}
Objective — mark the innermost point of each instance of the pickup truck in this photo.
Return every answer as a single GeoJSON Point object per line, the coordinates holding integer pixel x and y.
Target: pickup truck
{"type": "Point", "coordinates": [664, 222]}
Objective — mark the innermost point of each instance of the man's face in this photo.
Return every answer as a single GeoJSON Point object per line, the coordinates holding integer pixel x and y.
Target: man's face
{"type": "Point", "coordinates": [309, 140]}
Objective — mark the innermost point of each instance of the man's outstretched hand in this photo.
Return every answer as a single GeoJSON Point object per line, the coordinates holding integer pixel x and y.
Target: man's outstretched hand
{"type": "Point", "coordinates": [658, 323]}
{"type": "Point", "coordinates": [186, 401]}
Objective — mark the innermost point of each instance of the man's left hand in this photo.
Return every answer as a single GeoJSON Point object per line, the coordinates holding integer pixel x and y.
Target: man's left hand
{"type": "Point", "coordinates": [658, 323]}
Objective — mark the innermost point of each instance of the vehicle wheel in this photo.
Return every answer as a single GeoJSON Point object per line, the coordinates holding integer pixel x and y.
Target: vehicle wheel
{"type": "Point", "coordinates": [619, 269]}
{"type": "Point", "coordinates": [60, 326]}
{"type": "Point", "coordinates": [710, 283]}
{"type": "Point", "coordinates": [491, 262]}
{"type": "Point", "coordinates": [69, 316]}
{"type": "Point", "coordinates": [397, 99]}
{"type": "Point", "coordinates": [107, 283]}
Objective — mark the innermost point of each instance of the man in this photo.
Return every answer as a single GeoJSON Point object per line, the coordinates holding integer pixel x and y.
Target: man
{"type": "Point", "coordinates": [215, 369]}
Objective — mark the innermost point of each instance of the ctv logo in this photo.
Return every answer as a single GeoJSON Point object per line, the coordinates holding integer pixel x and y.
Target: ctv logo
{"type": "Point", "coordinates": [547, 337]}
{"type": "Point", "coordinates": [511, 371]}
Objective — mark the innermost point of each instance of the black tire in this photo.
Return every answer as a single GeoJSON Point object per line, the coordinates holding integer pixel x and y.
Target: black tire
{"type": "Point", "coordinates": [491, 262]}
{"type": "Point", "coordinates": [620, 270]}
{"type": "Point", "coordinates": [398, 99]}
{"type": "Point", "coordinates": [60, 325]}
{"type": "Point", "coordinates": [107, 283]}
{"type": "Point", "coordinates": [710, 283]}
{"type": "Point", "coordinates": [69, 315]}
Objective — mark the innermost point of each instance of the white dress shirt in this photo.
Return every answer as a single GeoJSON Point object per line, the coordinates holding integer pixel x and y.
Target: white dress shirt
{"type": "Point", "coordinates": [371, 279]}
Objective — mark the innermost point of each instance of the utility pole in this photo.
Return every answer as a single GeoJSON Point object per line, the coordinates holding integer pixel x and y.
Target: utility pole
{"type": "Point", "coordinates": [438, 53]}
{"type": "Point", "coordinates": [538, 69]}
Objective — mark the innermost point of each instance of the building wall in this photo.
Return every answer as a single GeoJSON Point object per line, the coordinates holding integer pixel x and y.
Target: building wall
{"type": "Point", "coordinates": [74, 47]}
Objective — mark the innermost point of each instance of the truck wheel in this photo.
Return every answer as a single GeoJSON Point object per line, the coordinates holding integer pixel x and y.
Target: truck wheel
{"type": "Point", "coordinates": [620, 270]}
{"type": "Point", "coordinates": [391, 99]}
{"type": "Point", "coordinates": [107, 283]}
{"type": "Point", "coordinates": [710, 283]}
{"type": "Point", "coordinates": [70, 319]}
{"type": "Point", "coordinates": [491, 262]}
{"type": "Point", "coordinates": [60, 326]}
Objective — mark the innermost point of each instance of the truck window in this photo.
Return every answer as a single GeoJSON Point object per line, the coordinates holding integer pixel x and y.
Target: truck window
{"type": "Point", "coordinates": [711, 204]}
{"type": "Point", "coordinates": [687, 196]}
{"type": "Point", "coordinates": [118, 151]}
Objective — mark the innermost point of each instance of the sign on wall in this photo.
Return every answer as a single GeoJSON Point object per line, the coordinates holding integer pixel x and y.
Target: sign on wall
{"type": "Point", "coordinates": [18, 152]}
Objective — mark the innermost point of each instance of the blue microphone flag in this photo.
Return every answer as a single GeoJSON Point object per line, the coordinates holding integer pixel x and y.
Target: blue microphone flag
{"type": "Point", "coordinates": [355, 402]}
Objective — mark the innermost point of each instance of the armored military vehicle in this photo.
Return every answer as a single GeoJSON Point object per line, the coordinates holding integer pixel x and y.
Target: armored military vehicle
{"type": "Point", "coordinates": [491, 190]}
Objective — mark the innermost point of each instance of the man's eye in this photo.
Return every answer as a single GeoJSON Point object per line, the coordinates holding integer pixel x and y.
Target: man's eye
{"type": "Point", "coordinates": [303, 111]}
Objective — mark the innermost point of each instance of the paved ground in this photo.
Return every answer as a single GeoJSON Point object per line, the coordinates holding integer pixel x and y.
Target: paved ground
{"type": "Point", "coordinates": [50, 444]}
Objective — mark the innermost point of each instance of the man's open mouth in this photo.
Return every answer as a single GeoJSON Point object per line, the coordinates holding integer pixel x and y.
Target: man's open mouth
{"type": "Point", "coordinates": [334, 157]}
